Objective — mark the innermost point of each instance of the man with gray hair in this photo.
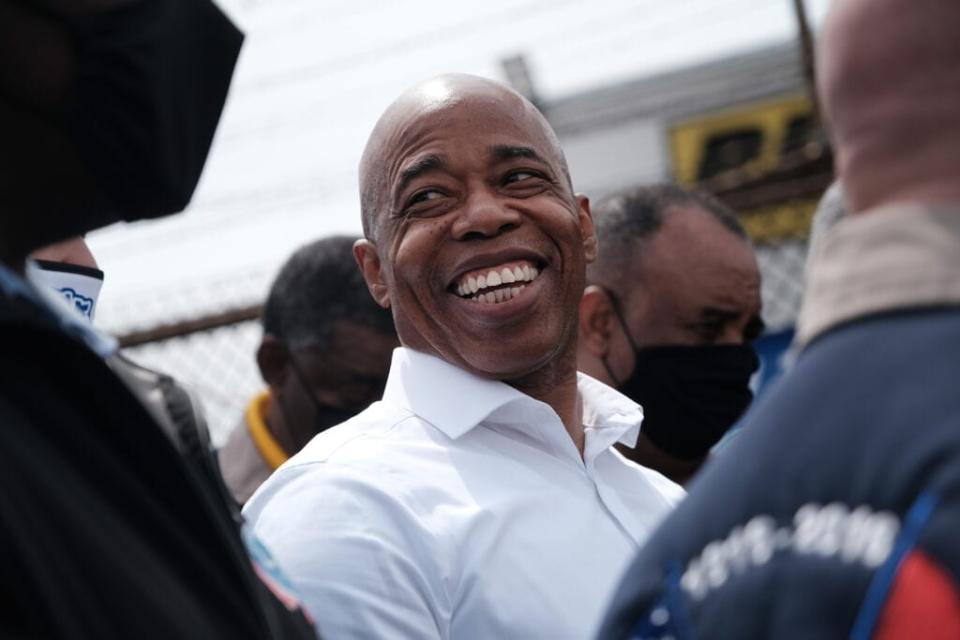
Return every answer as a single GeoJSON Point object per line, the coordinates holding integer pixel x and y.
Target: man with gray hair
{"type": "Point", "coordinates": [837, 512]}
{"type": "Point", "coordinates": [324, 355]}
{"type": "Point", "coordinates": [671, 307]}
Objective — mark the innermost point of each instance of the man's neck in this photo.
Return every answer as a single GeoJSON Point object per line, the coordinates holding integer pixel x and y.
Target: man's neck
{"type": "Point", "coordinates": [277, 426]}
{"type": "Point", "coordinates": [556, 385]}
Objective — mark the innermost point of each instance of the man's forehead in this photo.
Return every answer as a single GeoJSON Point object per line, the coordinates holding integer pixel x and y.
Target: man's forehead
{"type": "Point", "coordinates": [416, 164]}
{"type": "Point", "coordinates": [693, 245]}
{"type": "Point", "coordinates": [692, 226]}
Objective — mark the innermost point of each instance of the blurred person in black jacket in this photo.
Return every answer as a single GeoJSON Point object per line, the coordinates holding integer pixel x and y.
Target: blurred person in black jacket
{"type": "Point", "coordinates": [325, 355]}
{"type": "Point", "coordinates": [836, 512]}
{"type": "Point", "coordinates": [107, 110]}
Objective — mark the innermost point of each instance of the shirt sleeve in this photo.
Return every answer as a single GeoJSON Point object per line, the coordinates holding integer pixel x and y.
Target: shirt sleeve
{"type": "Point", "coordinates": [360, 554]}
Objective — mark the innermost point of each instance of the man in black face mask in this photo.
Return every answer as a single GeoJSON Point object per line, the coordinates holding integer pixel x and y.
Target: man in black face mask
{"type": "Point", "coordinates": [671, 306]}
{"type": "Point", "coordinates": [325, 355]}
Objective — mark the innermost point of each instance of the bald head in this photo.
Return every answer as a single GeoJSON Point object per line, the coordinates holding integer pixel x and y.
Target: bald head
{"type": "Point", "coordinates": [413, 115]}
{"type": "Point", "coordinates": [889, 82]}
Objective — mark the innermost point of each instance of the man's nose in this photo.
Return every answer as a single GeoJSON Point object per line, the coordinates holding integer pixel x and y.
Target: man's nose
{"type": "Point", "coordinates": [731, 334]}
{"type": "Point", "coordinates": [484, 215]}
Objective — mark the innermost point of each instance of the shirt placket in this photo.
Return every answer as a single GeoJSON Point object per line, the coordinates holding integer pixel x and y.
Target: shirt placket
{"type": "Point", "coordinates": [550, 431]}
{"type": "Point", "coordinates": [613, 504]}
{"type": "Point", "coordinates": [608, 498]}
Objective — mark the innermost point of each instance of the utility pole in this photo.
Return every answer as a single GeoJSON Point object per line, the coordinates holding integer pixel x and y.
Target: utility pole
{"type": "Point", "coordinates": [806, 51]}
{"type": "Point", "coordinates": [520, 78]}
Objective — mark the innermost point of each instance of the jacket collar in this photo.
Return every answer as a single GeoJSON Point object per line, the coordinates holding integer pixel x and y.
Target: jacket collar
{"type": "Point", "coordinates": [892, 258]}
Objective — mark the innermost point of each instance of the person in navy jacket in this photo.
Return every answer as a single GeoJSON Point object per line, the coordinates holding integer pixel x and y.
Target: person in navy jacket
{"type": "Point", "coordinates": [837, 512]}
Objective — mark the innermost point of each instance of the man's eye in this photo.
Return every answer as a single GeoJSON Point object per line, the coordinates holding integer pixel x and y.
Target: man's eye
{"type": "Point", "coordinates": [518, 176]}
{"type": "Point", "coordinates": [424, 203]}
{"type": "Point", "coordinates": [709, 332]}
{"type": "Point", "coordinates": [425, 196]}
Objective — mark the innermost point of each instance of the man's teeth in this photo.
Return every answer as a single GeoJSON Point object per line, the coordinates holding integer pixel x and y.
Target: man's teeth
{"type": "Point", "coordinates": [469, 287]}
{"type": "Point", "coordinates": [500, 295]}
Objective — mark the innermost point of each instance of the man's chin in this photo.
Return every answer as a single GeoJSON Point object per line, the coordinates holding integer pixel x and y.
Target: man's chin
{"type": "Point", "coordinates": [509, 360]}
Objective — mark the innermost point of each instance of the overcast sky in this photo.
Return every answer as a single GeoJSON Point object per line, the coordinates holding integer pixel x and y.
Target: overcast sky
{"type": "Point", "coordinates": [314, 76]}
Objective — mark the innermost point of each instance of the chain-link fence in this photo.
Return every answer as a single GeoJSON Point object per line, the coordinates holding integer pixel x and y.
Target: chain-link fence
{"type": "Point", "coordinates": [219, 364]}
{"type": "Point", "coordinates": [781, 287]}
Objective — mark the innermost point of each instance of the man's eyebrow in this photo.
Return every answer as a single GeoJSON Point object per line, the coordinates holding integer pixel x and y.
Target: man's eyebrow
{"type": "Point", "coordinates": [753, 329]}
{"type": "Point", "coordinates": [421, 166]}
{"type": "Point", "coordinates": [510, 152]}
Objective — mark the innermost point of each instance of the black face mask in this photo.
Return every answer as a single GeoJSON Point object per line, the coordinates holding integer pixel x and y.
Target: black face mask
{"type": "Point", "coordinates": [691, 395]}
{"type": "Point", "coordinates": [129, 98]}
{"type": "Point", "coordinates": [324, 415]}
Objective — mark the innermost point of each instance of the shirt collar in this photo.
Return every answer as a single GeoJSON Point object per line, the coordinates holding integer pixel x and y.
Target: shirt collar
{"type": "Point", "coordinates": [895, 257]}
{"type": "Point", "coordinates": [455, 401]}
{"type": "Point", "coordinates": [607, 411]}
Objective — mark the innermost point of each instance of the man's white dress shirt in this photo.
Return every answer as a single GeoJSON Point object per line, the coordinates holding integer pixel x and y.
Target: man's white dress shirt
{"type": "Point", "coordinates": [459, 507]}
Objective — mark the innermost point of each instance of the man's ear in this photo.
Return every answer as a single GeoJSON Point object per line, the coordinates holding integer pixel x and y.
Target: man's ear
{"type": "Point", "coordinates": [368, 260]}
{"type": "Point", "coordinates": [272, 359]}
{"type": "Point", "coordinates": [586, 228]}
{"type": "Point", "coordinates": [596, 321]}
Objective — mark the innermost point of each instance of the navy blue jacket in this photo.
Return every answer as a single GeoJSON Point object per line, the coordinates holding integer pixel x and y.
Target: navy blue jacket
{"type": "Point", "coordinates": [837, 511]}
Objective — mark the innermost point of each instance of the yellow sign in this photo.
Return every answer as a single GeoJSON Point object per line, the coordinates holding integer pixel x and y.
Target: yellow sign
{"type": "Point", "coordinates": [752, 137]}
{"type": "Point", "coordinates": [780, 222]}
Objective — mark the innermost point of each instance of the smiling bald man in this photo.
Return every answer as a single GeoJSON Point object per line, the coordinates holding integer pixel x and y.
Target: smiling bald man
{"type": "Point", "coordinates": [482, 497]}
